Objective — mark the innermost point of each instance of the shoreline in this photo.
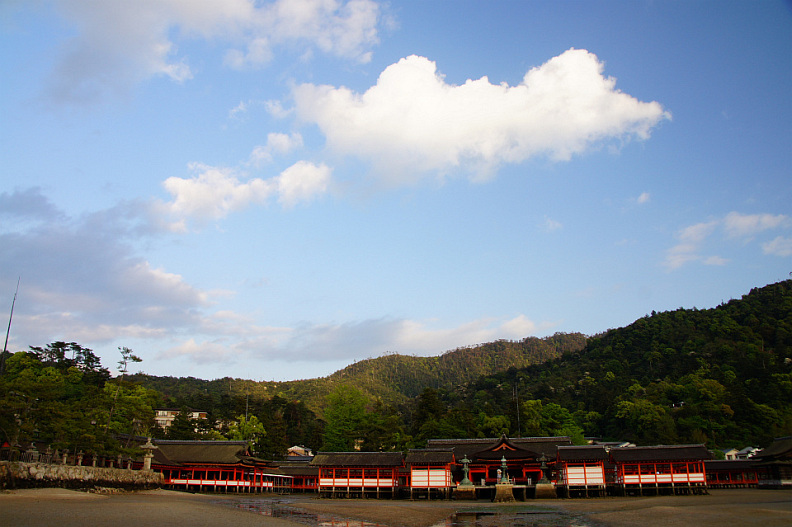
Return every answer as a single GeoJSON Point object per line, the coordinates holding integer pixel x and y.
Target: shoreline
{"type": "Point", "coordinates": [69, 508]}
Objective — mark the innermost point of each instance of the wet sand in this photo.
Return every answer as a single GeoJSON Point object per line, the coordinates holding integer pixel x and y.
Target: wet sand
{"type": "Point", "coordinates": [743, 507]}
{"type": "Point", "coordinates": [65, 508]}
{"type": "Point", "coordinates": [766, 508]}
{"type": "Point", "coordinates": [69, 508]}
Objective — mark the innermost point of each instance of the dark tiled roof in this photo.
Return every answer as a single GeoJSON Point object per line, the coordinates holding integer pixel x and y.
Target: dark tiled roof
{"type": "Point", "coordinates": [728, 464]}
{"type": "Point", "coordinates": [299, 470]}
{"type": "Point", "coordinates": [471, 447]}
{"type": "Point", "coordinates": [200, 452]}
{"type": "Point", "coordinates": [660, 453]}
{"type": "Point", "coordinates": [358, 459]}
{"type": "Point", "coordinates": [299, 459]}
{"type": "Point", "coordinates": [429, 456]}
{"type": "Point", "coordinates": [582, 453]}
{"type": "Point", "coordinates": [779, 450]}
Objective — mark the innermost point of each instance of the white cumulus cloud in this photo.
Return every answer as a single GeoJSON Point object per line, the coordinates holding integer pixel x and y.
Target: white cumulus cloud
{"type": "Point", "coordinates": [277, 143]}
{"type": "Point", "coordinates": [412, 122]}
{"type": "Point", "coordinates": [302, 182]}
{"type": "Point", "coordinates": [215, 192]}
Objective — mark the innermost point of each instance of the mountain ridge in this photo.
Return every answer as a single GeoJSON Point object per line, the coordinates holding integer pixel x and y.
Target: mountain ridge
{"type": "Point", "coordinates": [391, 378]}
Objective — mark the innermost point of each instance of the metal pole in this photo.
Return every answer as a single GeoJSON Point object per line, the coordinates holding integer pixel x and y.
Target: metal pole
{"type": "Point", "coordinates": [8, 331]}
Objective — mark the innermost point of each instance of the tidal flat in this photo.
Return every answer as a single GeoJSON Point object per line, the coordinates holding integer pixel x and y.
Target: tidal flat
{"type": "Point", "coordinates": [68, 508]}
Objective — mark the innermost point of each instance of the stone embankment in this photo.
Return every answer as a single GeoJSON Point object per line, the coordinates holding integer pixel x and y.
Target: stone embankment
{"type": "Point", "coordinates": [16, 474]}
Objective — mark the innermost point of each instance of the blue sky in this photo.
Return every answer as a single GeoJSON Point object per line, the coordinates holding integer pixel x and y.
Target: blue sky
{"type": "Point", "coordinates": [274, 190]}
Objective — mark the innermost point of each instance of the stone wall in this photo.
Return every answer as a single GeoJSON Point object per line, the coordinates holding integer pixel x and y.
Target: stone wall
{"type": "Point", "coordinates": [15, 474]}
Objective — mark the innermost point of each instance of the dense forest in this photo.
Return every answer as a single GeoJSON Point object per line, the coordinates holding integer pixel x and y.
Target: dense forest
{"type": "Point", "coordinates": [720, 376]}
{"type": "Point", "coordinates": [392, 378]}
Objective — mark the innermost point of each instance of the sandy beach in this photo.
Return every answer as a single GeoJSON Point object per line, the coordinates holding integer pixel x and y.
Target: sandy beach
{"type": "Point", "coordinates": [67, 508]}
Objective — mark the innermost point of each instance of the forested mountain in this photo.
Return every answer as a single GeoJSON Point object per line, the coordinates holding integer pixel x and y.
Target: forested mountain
{"type": "Point", "coordinates": [378, 393]}
{"type": "Point", "coordinates": [392, 378]}
{"type": "Point", "coordinates": [720, 376]}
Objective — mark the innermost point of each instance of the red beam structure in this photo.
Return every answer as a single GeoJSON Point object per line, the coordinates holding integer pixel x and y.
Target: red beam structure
{"type": "Point", "coordinates": [677, 469]}
{"type": "Point", "coordinates": [358, 474]}
{"type": "Point", "coordinates": [216, 466]}
{"type": "Point", "coordinates": [430, 472]}
{"type": "Point", "coordinates": [581, 470]}
{"type": "Point", "coordinates": [732, 473]}
{"type": "Point", "coordinates": [576, 471]}
{"type": "Point", "coordinates": [523, 458]}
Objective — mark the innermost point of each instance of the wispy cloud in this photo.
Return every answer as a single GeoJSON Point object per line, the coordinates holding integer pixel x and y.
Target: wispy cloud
{"type": "Point", "coordinates": [735, 225]}
{"type": "Point", "coordinates": [412, 122]}
{"type": "Point", "coordinates": [352, 340]}
{"type": "Point", "coordinates": [118, 44]}
{"type": "Point", "coordinates": [551, 225]}
{"type": "Point", "coordinates": [780, 246]}
{"type": "Point", "coordinates": [739, 225]}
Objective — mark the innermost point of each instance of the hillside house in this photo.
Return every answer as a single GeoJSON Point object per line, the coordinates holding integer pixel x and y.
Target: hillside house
{"type": "Point", "coordinates": [164, 416]}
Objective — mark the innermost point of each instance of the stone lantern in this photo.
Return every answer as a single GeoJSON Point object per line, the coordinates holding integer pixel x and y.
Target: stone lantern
{"type": "Point", "coordinates": [149, 454]}
{"type": "Point", "coordinates": [465, 489]}
{"type": "Point", "coordinates": [504, 471]}
{"type": "Point", "coordinates": [504, 490]}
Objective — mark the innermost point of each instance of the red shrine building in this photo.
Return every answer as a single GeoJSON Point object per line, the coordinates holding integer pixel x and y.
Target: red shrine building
{"type": "Point", "coordinates": [523, 457]}
{"type": "Point", "coordinates": [359, 474]}
{"type": "Point", "coordinates": [525, 464]}
{"type": "Point", "coordinates": [216, 466]}
{"type": "Point", "coordinates": [431, 472]}
{"type": "Point", "coordinates": [582, 470]}
{"type": "Point", "coordinates": [659, 469]}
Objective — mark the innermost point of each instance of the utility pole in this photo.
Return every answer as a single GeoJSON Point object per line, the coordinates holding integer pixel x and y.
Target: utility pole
{"type": "Point", "coordinates": [517, 404]}
{"type": "Point", "coordinates": [8, 331]}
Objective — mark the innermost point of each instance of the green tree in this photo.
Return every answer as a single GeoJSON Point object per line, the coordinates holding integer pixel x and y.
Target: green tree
{"type": "Point", "coordinates": [183, 427]}
{"type": "Point", "coordinates": [344, 417]}
{"type": "Point", "coordinates": [493, 426]}
{"type": "Point", "coordinates": [127, 357]}
{"type": "Point", "coordinates": [247, 429]}
{"type": "Point", "coordinates": [646, 422]}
